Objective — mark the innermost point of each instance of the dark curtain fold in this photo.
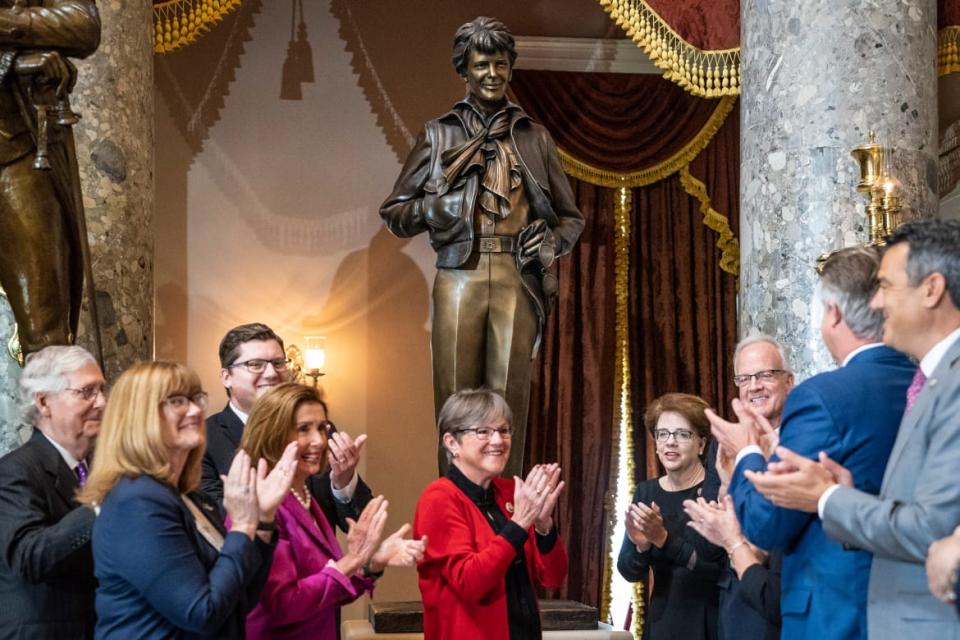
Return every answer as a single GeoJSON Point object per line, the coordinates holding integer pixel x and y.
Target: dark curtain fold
{"type": "Point", "coordinates": [615, 121]}
{"type": "Point", "coordinates": [571, 402]}
{"type": "Point", "coordinates": [683, 323]}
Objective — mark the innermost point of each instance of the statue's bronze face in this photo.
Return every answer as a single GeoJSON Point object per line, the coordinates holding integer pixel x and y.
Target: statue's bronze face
{"type": "Point", "coordinates": [488, 75]}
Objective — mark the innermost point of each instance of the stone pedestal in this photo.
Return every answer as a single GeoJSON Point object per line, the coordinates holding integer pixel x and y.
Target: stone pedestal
{"type": "Point", "coordinates": [816, 78]}
{"type": "Point", "coordinates": [114, 97]}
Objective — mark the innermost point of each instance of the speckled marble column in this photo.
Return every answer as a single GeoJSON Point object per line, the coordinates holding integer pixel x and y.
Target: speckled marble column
{"type": "Point", "coordinates": [817, 75]}
{"type": "Point", "coordinates": [114, 141]}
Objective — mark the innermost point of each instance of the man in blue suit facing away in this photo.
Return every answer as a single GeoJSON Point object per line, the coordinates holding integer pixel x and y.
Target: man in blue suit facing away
{"type": "Point", "coordinates": [851, 413]}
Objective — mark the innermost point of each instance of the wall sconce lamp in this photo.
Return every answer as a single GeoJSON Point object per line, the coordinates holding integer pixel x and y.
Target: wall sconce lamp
{"type": "Point", "coordinates": [311, 360]}
{"type": "Point", "coordinates": [314, 356]}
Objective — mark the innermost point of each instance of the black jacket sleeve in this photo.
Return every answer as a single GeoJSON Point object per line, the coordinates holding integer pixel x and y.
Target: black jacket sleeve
{"type": "Point", "coordinates": [760, 586]}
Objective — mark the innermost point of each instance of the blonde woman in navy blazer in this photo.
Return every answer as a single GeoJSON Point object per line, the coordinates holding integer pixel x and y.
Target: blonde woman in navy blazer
{"type": "Point", "coordinates": [311, 576]}
{"type": "Point", "coordinates": [166, 566]}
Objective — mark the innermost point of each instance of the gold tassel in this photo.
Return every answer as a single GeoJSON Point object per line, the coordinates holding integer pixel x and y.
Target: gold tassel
{"type": "Point", "coordinates": [948, 50]}
{"type": "Point", "coordinates": [180, 22]}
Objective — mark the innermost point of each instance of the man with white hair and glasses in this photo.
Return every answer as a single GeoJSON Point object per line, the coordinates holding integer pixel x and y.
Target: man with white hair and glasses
{"type": "Point", "coordinates": [46, 578]}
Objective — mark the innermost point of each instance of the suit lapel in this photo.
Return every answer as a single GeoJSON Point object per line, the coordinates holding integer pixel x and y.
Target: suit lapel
{"type": "Point", "coordinates": [922, 408]}
{"type": "Point", "coordinates": [64, 482]}
{"type": "Point", "coordinates": [231, 424]}
{"type": "Point", "coordinates": [312, 526]}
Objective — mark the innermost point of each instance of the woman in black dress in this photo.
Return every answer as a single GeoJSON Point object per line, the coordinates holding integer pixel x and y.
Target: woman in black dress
{"type": "Point", "coordinates": [685, 566]}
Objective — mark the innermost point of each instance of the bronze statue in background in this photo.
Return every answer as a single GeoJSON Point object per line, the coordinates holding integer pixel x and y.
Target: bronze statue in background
{"type": "Point", "coordinates": [42, 259]}
{"type": "Point", "coordinates": [485, 181]}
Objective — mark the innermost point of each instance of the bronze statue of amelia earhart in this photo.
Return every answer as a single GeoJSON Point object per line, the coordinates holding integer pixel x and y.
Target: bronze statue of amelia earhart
{"type": "Point", "coordinates": [484, 180]}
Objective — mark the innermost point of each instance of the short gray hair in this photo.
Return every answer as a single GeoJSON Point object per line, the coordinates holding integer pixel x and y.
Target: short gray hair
{"type": "Point", "coordinates": [46, 372]}
{"type": "Point", "coordinates": [755, 338]}
{"type": "Point", "coordinates": [848, 279]}
{"type": "Point", "coordinates": [468, 408]}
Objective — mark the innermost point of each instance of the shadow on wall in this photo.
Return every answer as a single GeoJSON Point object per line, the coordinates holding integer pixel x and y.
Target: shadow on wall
{"type": "Point", "coordinates": [394, 309]}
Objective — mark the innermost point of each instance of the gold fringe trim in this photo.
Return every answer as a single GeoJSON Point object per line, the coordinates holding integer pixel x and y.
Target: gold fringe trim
{"type": "Point", "coordinates": [713, 219]}
{"type": "Point", "coordinates": [948, 50]}
{"type": "Point", "coordinates": [622, 412]}
{"type": "Point", "coordinates": [613, 180]}
{"type": "Point", "coordinates": [178, 23]}
{"type": "Point", "coordinates": [708, 74]}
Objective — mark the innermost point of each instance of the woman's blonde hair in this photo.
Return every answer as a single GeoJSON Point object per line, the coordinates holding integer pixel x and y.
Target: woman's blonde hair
{"type": "Point", "coordinates": [272, 420]}
{"type": "Point", "coordinates": [131, 441]}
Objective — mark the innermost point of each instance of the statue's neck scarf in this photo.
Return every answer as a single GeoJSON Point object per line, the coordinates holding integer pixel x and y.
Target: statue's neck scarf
{"type": "Point", "coordinates": [488, 149]}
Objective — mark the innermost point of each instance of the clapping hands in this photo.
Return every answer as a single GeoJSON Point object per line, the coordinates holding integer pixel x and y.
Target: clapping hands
{"type": "Point", "coordinates": [535, 498]}
{"type": "Point", "coordinates": [645, 526]}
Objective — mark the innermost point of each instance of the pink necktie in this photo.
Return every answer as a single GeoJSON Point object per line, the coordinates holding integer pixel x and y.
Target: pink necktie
{"type": "Point", "coordinates": [914, 389]}
{"type": "Point", "coordinates": [81, 470]}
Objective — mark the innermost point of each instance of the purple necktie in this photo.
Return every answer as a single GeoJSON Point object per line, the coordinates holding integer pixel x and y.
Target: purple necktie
{"type": "Point", "coordinates": [919, 379]}
{"type": "Point", "coordinates": [81, 471]}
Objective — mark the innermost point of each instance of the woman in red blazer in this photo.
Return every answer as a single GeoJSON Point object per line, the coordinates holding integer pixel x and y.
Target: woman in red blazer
{"type": "Point", "coordinates": [491, 540]}
{"type": "Point", "coordinates": [311, 576]}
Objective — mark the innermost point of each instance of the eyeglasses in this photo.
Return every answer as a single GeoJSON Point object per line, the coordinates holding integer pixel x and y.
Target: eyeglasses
{"type": "Point", "coordinates": [257, 365]}
{"type": "Point", "coordinates": [680, 435]}
{"type": "Point", "coordinates": [90, 392]}
{"type": "Point", "coordinates": [181, 402]}
{"type": "Point", "coordinates": [485, 433]}
{"type": "Point", "coordinates": [768, 375]}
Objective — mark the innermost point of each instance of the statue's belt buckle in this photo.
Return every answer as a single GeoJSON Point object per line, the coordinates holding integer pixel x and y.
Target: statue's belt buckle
{"type": "Point", "coordinates": [496, 244]}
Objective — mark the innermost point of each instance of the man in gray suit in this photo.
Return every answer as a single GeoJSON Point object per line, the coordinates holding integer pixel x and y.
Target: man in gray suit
{"type": "Point", "coordinates": [919, 500]}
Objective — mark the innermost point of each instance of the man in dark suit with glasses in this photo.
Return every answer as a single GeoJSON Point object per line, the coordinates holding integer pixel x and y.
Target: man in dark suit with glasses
{"type": "Point", "coordinates": [252, 361]}
{"type": "Point", "coordinates": [46, 578]}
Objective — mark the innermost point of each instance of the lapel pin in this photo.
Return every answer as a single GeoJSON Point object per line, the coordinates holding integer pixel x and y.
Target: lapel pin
{"type": "Point", "coordinates": [509, 507]}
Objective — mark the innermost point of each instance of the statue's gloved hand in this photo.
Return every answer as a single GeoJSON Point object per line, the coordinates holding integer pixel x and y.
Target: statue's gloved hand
{"type": "Point", "coordinates": [441, 206]}
{"type": "Point", "coordinates": [538, 242]}
{"type": "Point", "coordinates": [48, 67]}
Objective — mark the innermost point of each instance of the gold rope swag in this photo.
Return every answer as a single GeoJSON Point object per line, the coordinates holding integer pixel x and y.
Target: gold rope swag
{"type": "Point", "coordinates": [178, 23]}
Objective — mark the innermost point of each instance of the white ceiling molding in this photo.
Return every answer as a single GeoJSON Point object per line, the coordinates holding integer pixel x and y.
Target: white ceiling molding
{"type": "Point", "coordinates": [582, 54]}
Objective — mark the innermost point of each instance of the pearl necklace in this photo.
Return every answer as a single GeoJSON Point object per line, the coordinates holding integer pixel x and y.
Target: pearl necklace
{"type": "Point", "coordinates": [305, 501]}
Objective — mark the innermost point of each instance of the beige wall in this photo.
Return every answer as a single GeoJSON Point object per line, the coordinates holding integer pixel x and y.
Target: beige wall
{"type": "Point", "coordinates": [267, 208]}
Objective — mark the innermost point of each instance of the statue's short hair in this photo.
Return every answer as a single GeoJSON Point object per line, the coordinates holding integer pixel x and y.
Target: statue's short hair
{"type": "Point", "coordinates": [230, 344]}
{"type": "Point", "coordinates": [48, 371]}
{"type": "Point", "coordinates": [848, 279]}
{"type": "Point", "coordinates": [485, 35]}
{"type": "Point", "coordinates": [934, 247]}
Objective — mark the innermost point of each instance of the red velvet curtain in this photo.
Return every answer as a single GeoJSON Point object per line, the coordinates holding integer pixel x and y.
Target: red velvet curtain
{"type": "Point", "coordinates": [682, 306]}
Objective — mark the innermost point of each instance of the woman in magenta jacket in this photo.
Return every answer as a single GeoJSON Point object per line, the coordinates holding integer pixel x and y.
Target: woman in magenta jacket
{"type": "Point", "coordinates": [491, 540]}
{"type": "Point", "coordinates": [310, 576]}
